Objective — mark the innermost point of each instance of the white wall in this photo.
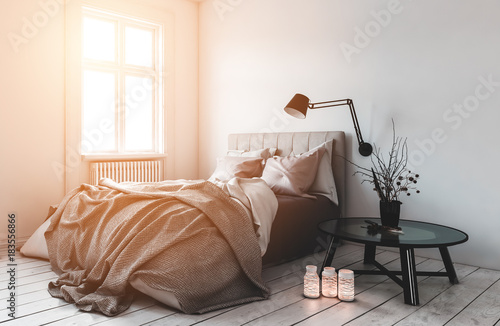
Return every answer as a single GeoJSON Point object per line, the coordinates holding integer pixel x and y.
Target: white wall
{"type": "Point", "coordinates": [421, 62]}
{"type": "Point", "coordinates": [32, 115]}
{"type": "Point", "coordinates": [32, 106]}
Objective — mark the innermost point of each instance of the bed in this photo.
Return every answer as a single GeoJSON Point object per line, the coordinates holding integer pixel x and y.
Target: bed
{"type": "Point", "coordinates": [294, 232]}
{"type": "Point", "coordinates": [194, 245]}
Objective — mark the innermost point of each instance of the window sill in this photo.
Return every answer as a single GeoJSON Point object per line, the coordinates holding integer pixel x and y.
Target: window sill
{"type": "Point", "coordinates": [122, 157]}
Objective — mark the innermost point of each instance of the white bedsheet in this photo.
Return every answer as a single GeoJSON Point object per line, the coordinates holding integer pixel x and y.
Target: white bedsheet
{"type": "Point", "coordinates": [259, 200]}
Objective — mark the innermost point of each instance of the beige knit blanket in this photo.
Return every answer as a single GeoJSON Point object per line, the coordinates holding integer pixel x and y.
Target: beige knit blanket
{"type": "Point", "coordinates": [191, 240]}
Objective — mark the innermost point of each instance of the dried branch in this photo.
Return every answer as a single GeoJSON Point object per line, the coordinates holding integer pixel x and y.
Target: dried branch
{"type": "Point", "coordinates": [390, 178]}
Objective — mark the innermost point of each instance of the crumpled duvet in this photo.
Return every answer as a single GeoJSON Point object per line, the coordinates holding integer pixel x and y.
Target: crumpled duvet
{"type": "Point", "coordinates": [192, 240]}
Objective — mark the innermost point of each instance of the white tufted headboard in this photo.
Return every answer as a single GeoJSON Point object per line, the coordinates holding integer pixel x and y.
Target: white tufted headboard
{"type": "Point", "coordinates": [297, 143]}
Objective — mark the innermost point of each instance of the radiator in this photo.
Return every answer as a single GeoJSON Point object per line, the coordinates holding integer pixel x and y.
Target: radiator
{"type": "Point", "coordinates": [134, 171]}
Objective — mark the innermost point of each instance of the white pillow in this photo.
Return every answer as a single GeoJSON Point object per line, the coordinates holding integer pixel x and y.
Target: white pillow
{"type": "Point", "coordinates": [324, 183]}
{"type": "Point", "coordinates": [292, 175]}
{"type": "Point", "coordinates": [262, 153]}
{"type": "Point", "coordinates": [36, 246]}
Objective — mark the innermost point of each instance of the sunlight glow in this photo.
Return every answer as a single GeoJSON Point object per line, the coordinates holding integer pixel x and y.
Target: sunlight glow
{"type": "Point", "coordinates": [121, 94]}
{"type": "Point", "coordinates": [139, 46]}
{"type": "Point", "coordinates": [98, 133]}
{"type": "Point", "coordinates": [139, 113]}
{"type": "Point", "coordinates": [98, 39]}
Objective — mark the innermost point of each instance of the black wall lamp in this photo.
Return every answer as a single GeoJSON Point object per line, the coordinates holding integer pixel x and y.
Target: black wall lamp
{"type": "Point", "coordinates": [299, 104]}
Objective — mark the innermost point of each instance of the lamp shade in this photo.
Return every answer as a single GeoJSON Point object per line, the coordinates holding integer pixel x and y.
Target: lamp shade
{"type": "Point", "coordinates": [298, 106]}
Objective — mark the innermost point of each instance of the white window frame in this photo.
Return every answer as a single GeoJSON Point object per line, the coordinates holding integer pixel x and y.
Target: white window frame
{"type": "Point", "coordinates": [121, 70]}
{"type": "Point", "coordinates": [75, 169]}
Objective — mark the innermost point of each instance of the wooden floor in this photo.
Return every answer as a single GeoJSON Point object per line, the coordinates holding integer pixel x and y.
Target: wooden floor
{"type": "Point", "coordinates": [378, 301]}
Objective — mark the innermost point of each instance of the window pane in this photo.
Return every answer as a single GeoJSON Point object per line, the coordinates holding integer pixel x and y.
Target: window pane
{"type": "Point", "coordinates": [139, 113]}
{"type": "Point", "coordinates": [138, 47]}
{"type": "Point", "coordinates": [98, 112]}
{"type": "Point", "coordinates": [98, 39]}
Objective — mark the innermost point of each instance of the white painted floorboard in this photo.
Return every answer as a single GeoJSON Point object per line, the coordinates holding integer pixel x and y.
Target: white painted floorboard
{"type": "Point", "coordinates": [379, 301]}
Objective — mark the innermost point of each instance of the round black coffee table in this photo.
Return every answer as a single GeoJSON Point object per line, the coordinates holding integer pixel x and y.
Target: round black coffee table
{"type": "Point", "coordinates": [415, 235]}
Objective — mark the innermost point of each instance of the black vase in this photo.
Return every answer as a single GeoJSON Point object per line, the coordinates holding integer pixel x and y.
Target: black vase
{"type": "Point", "coordinates": [389, 213]}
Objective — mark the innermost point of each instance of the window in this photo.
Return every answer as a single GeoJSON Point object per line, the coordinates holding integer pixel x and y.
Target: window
{"type": "Point", "coordinates": [121, 87]}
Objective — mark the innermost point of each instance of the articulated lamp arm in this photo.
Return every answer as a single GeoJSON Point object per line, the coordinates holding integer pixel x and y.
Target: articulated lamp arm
{"type": "Point", "coordinates": [299, 104]}
{"type": "Point", "coordinates": [365, 149]}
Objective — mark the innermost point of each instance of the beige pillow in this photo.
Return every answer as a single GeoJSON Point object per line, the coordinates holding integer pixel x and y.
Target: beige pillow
{"type": "Point", "coordinates": [293, 175]}
{"type": "Point", "coordinates": [262, 153]}
{"type": "Point", "coordinates": [324, 184]}
{"type": "Point", "coordinates": [229, 167]}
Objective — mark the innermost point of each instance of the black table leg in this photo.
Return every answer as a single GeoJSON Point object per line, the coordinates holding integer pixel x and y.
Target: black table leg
{"type": "Point", "coordinates": [334, 243]}
{"type": "Point", "coordinates": [448, 264]}
{"type": "Point", "coordinates": [409, 275]}
{"type": "Point", "coordinates": [369, 254]}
